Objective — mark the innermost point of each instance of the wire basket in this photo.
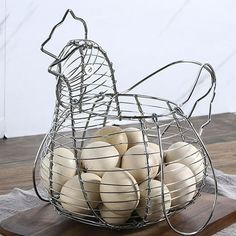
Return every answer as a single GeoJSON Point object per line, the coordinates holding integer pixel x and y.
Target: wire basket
{"type": "Point", "coordinates": [119, 160]}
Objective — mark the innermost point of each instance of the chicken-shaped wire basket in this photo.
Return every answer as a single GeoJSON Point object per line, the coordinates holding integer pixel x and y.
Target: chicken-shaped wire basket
{"type": "Point", "coordinates": [119, 160]}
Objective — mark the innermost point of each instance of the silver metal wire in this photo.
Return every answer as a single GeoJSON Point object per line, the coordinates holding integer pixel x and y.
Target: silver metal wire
{"type": "Point", "coordinates": [87, 101]}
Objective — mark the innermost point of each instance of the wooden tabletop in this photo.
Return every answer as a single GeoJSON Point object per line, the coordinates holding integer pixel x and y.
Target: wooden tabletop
{"type": "Point", "coordinates": [45, 221]}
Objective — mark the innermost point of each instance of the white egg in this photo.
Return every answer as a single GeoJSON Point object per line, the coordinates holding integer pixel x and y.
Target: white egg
{"type": "Point", "coordinates": [154, 147]}
{"type": "Point", "coordinates": [111, 217]}
{"type": "Point", "coordinates": [188, 155]}
{"type": "Point", "coordinates": [134, 136]}
{"type": "Point", "coordinates": [72, 197]}
{"type": "Point", "coordinates": [63, 168]}
{"type": "Point", "coordinates": [99, 156]}
{"type": "Point", "coordinates": [135, 161]}
{"type": "Point", "coordinates": [113, 135]}
{"type": "Point", "coordinates": [181, 183]}
{"type": "Point", "coordinates": [199, 172]}
{"type": "Point", "coordinates": [155, 203]}
{"type": "Point", "coordinates": [119, 191]}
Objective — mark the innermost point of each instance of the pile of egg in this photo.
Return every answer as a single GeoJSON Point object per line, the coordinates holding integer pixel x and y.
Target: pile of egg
{"type": "Point", "coordinates": [121, 176]}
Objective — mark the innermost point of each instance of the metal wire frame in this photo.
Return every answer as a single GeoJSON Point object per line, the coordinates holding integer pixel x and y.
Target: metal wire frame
{"type": "Point", "coordinates": [147, 128]}
{"type": "Point", "coordinates": [81, 109]}
{"type": "Point", "coordinates": [69, 11]}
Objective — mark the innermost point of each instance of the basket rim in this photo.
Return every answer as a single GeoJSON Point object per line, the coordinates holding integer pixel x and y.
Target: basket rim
{"type": "Point", "coordinates": [114, 98]}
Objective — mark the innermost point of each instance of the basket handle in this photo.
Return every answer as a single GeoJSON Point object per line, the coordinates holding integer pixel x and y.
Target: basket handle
{"type": "Point", "coordinates": [69, 11]}
{"type": "Point", "coordinates": [212, 87]}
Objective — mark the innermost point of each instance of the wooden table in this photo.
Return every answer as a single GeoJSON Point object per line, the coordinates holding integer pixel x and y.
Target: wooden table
{"type": "Point", "coordinates": [45, 221]}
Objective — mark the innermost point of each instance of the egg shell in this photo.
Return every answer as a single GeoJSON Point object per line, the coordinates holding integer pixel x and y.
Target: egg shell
{"type": "Point", "coordinates": [63, 168]}
{"type": "Point", "coordinates": [119, 191]}
{"type": "Point", "coordinates": [155, 211]}
{"type": "Point", "coordinates": [199, 173]}
{"type": "Point", "coordinates": [99, 156]}
{"type": "Point", "coordinates": [134, 136]}
{"type": "Point", "coordinates": [135, 161]}
{"type": "Point", "coordinates": [155, 147]}
{"type": "Point", "coordinates": [72, 198]}
{"type": "Point", "coordinates": [181, 183]}
{"type": "Point", "coordinates": [188, 155]}
{"type": "Point", "coordinates": [111, 217]}
{"type": "Point", "coordinates": [113, 135]}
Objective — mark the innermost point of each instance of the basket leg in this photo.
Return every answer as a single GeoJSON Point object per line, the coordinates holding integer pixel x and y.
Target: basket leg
{"type": "Point", "coordinates": [34, 171]}
{"type": "Point", "coordinates": [155, 119]}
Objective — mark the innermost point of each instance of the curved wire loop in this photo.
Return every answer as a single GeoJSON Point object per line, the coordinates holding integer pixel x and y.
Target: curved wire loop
{"type": "Point", "coordinates": [212, 87]}
{"type": "Point", "coordinates": [155, 120]}
{"type": "Point", "coordinates": [34, 170]}
{"type": "Point", "coordinates": [69, 11]}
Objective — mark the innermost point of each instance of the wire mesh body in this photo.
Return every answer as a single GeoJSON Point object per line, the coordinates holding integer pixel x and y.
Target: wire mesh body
{"type": "Point", "coordinates": [124, 178]}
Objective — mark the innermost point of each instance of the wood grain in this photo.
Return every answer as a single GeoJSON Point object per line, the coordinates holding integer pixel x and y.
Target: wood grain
{"type": "Point", "coordinates": [224, 156]}
{"type": "Point", "coordinates": [45, 221]}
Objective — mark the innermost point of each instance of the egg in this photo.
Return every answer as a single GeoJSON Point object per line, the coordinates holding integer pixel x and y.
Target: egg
{"type": "Point", "coordinates": [134, 136]}
{"type": "Point", "coordinates": [199, 172]}
{"type": "Point", "coordinates": [154, 147]}
{"type": "Point", "coordinates": [135, 161]}
{"type": "Point", "coordinates": [72, 198]}
{"type": "Point", "coordinates": [155, 211]}
{"type": "Point", "coordinates": [99, 156]}
{"type": "Point", "coordinates": [113, 135]}
{"type": "Point", "coordinates": [111, 217]}
{"type": "Point", "coordinates": [181, 183]}
{"type": "Point", "coordinates": [188, 155]}
{"type": "Point", "coordinates": [63, 168]}
{"type": "Point", "coordinates": [119, 191]}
